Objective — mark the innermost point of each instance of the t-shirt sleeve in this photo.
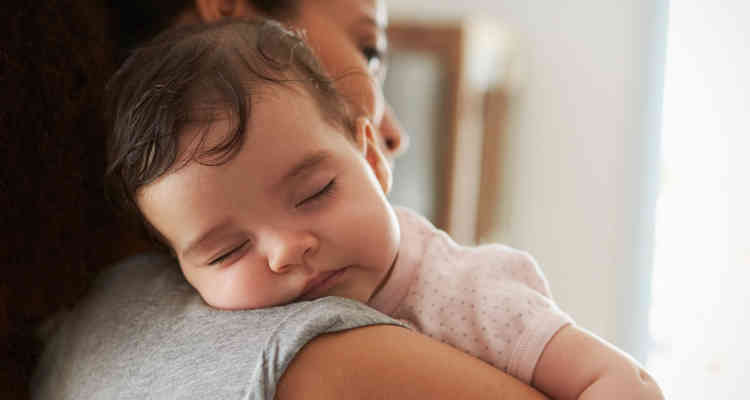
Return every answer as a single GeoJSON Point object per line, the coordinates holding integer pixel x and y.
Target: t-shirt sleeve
{"type": "Point", "coordinates": [302, 324]}
{"type": "Point", "coordinates": [534, 319]}
{"type": "Point", "coordinates": [143, 332]}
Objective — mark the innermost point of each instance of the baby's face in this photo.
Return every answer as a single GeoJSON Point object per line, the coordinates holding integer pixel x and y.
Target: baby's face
{"type": "Point", "coordinates": [298, 213]}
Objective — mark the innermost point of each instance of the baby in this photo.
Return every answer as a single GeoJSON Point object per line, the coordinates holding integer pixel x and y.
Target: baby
{"type": "Point", "coordinates": [241, 157]}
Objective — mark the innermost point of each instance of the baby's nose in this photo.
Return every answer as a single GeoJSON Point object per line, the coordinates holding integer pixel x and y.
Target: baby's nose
{"type": "Point", "coordinates": [286, 250]}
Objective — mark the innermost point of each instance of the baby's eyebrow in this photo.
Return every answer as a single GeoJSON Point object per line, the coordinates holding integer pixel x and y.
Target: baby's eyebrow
{"type": "Point", "coordinates": [196, 244]}
{"type": "Point", "coordinates": [310, 161]}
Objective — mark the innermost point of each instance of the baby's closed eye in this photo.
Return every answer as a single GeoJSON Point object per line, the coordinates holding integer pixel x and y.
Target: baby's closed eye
{"type": "Point", "coordinates": [318, 194]}
{"type": "Point", "coordinates": [226, 254]}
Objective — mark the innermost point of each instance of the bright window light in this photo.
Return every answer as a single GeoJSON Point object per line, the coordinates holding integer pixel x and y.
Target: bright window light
{"type": "Point", "coordinates": [700, 315]}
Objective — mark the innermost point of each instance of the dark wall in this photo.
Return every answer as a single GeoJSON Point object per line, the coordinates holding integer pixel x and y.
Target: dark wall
{"type": "Point", "coordinates": [57, 227]}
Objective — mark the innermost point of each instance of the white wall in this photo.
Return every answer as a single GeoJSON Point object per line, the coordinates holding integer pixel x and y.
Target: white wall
{"type": "Point", "coordinates": [578, 179]}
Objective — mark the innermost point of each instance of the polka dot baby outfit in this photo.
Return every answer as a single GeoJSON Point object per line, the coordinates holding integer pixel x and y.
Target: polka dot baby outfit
{"type": "Point", "coordinates": [490, 301]}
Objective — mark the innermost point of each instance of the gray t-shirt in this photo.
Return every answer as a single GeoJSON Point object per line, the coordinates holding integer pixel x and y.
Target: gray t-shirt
{"type": "Point", "coordinates": [144, 333]}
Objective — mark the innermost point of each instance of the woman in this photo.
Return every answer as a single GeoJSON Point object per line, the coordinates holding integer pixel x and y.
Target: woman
{"type": "Point", "coordinates": [161, 329]}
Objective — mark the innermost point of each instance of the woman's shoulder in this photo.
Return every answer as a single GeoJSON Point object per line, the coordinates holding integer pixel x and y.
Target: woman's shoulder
{"type": "Point", "coordinates": [142, 330]}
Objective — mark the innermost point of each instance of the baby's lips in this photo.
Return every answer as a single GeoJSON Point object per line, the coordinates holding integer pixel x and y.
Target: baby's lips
{"type": "Point", "coordinates": [318, 281]}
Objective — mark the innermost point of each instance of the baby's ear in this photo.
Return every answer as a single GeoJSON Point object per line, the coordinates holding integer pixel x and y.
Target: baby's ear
{"type": "Point", "coordinates": [367, 145]}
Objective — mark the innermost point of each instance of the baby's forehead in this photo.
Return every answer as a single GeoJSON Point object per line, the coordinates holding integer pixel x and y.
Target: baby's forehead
{"type": "Point", "coordinates": [215, 132]}
{"type": "Point", "coordinates": [280, 121]}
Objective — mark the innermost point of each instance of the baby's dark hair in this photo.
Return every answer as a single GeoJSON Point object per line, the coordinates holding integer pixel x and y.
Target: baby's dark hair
{"type": "Point", "coordinates": [191, 77]}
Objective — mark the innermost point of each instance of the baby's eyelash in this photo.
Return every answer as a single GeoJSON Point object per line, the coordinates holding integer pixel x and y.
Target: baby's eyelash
{"type": "Point", "coordinates": [221, 258]}
{"type": "Point", "coordinates": [326, 190]}
{"type": "Point", "coordinates": [372, 52]}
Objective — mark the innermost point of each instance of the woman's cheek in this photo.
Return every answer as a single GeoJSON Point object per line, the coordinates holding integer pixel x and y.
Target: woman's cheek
{"type": "Point", "coordinates": [372, 99]}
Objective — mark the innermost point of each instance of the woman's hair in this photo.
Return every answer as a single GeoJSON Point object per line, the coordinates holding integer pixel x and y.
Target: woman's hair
{"type": "Point", "coordinates": [137, 21]}
{"type": "Point", "coordinates": [192, 76]}
{"type": "Point", "coordinates": [58, 228]}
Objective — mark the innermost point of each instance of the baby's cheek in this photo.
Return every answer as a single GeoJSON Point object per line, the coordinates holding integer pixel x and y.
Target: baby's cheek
{"type": "Point", "coordinates": [256, 288]}
{"type": "Point", "coordinates": [220, 293]}
{"type": "Point", "coordinates": [230, 289]}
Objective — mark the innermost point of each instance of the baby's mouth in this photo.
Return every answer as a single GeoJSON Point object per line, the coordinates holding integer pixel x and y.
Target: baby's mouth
{"type": "Point", "coordinates": [317, 286]}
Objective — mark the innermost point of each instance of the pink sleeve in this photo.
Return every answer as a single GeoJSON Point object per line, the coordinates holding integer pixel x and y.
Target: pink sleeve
{"type": "Point", "coordinates": [491, 301]}
{"type": "Point", "coordinates": [537, 317]}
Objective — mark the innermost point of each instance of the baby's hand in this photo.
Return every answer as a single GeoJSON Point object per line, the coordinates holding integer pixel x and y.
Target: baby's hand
{"type": "Point", "coordinates": [576, 364]}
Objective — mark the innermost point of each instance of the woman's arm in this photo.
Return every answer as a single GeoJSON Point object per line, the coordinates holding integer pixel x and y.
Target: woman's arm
{"type": "Point", "coordinates": [576, 364]}
{"type": "Point", "coordinates": [389, 362]}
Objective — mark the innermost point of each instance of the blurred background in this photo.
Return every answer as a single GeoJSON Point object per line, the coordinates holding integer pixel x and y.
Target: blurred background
{"type": "Point", "coordinates": [608, 139]}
